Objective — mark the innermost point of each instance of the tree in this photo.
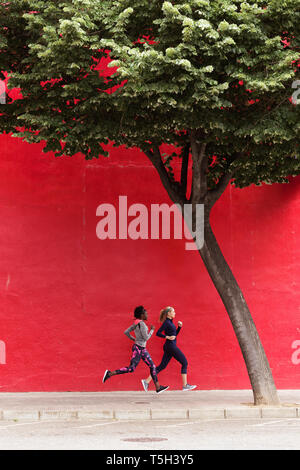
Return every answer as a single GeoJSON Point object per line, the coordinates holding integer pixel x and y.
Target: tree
{"type": "Point", "coordinates": [211, 78]}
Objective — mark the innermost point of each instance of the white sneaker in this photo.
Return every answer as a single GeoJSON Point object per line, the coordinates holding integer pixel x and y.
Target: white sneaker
{"type": "Point", "coordinates": [188, 387]}
{"type": "Point", "coordinates": [145, 385]}
{"type": "Point", "coordinates": [106, 375]}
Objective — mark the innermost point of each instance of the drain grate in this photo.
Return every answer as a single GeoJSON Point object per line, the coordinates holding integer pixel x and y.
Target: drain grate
{"type": "Point", "coordinates": [145, 439]}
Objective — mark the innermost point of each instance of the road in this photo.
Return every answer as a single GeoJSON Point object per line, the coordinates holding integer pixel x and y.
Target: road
{"type": "Point", "coordinates": [247, 434]}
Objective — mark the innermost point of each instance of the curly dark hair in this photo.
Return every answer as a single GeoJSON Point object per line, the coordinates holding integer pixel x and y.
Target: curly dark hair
{"type": "Point", "coordinates": [138, 311]}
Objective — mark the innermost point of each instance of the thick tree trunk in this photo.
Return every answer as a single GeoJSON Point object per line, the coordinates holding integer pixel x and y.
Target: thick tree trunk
{"type": "Point", "coordinates": [258, 368]}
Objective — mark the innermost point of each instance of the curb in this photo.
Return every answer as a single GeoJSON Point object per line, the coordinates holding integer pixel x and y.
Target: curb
{"type": "Point", "coordinates": [259, 412]}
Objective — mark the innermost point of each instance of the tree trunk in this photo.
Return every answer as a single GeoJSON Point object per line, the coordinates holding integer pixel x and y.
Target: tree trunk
{"type": "Point", "coordinates": [258, 368]}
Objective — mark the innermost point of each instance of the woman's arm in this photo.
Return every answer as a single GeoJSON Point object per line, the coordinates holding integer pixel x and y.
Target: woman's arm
{"type": "Point", "coordinates": [127, 332]}
{"type": "Point", "coordinates": [144, 331]}
{"type": "Point", "coordinates": [162, 335]}
{"type": "Point", "coordinates": [160, 331]}
{"type": "Point", "coordinates": [178, 327]}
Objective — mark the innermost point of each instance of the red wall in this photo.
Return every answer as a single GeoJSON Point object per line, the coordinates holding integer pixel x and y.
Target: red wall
{"type": "Point", "coordinates": [66, 296]}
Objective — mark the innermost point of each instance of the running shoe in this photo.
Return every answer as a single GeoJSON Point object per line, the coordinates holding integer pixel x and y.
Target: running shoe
{"type": "Point", "coordinates": [106, 375]}
{"type": "Point", "coordinates": [188, 387]}
{"type": "Point", "coordinates": [145, 385]}
{"type": "Point", "coordinates": [162, 389]}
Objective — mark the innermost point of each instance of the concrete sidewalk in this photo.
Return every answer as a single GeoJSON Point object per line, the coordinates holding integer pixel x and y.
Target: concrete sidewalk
{"type": "Point", "coordinates": [201, 404]}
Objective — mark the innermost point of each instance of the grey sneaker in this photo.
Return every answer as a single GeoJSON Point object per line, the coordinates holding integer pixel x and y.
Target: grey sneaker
{"type": "Point", "coordinates": [189, 387]}
{"type": "Point", "coordinates": [145, 385]}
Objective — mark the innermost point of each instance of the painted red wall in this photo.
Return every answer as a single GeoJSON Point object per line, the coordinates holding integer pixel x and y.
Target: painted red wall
{"type": "Point", "coordinates": [66, 296]}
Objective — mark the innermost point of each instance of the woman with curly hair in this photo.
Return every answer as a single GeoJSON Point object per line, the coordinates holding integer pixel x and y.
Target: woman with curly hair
{"type": "Point", "coordinates": [139, 350]}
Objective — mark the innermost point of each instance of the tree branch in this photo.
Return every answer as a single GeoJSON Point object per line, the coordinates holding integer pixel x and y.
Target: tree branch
{"type": "Point", "coordinates": [215, 194]}
{"type": "Point", "coordinates": [184, 168]}
{"type": "Point", "coordinates": [173, 188]}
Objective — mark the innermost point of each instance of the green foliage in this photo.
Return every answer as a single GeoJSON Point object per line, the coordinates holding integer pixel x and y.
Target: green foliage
{"type": "Point", "coordinates": [218, 67]}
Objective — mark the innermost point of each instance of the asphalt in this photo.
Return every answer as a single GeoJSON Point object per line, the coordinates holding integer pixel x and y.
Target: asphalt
{"type": "Point", "coordinates": [196, 404]}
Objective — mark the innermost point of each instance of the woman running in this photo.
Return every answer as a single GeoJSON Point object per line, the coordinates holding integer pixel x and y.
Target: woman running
{"type": "Point", "coordinates": [169, 332]}
{"type": "Point", "coordinates": [139, 350]}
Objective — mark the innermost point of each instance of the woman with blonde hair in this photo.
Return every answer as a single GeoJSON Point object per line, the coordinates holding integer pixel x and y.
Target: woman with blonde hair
{"type": "Point", "coordinates": [169, 332]}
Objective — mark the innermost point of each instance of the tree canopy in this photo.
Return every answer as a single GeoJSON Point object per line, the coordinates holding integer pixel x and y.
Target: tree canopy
{"type": "Point", "coordinates": [222, 70]}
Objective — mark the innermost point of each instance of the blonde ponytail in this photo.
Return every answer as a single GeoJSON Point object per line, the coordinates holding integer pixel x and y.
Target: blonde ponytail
{"type": "Point", "coordinates": [163, 313]}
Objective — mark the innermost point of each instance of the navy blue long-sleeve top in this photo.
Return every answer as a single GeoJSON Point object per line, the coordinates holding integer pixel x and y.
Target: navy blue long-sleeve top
{"type": "Point", "coordinates": [169, 329]}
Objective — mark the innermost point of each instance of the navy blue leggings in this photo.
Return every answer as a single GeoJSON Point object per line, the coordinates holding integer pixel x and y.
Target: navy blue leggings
{"type": "Point", "coordinates": [139, 353]}
{"type": "Point", "coordinates": [171, 350]}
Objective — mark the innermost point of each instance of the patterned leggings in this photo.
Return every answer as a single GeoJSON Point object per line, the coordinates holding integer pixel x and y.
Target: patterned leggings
{"type": "Point", "coordinates": [139, 353]}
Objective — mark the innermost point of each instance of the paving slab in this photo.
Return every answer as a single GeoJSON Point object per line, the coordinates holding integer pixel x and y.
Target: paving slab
{"type": "Point", "coordinates": [133, 405]}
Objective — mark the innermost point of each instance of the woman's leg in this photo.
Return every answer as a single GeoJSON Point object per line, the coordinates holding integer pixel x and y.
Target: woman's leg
{"type": "Point", "coordinates": [164, 362]}
{"type": "Point", "coordinates": [153, 373]}
{"type": "Point", "coordinates": [135, 359]}
{"type": "Point", "coordinates": [180, 357]}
